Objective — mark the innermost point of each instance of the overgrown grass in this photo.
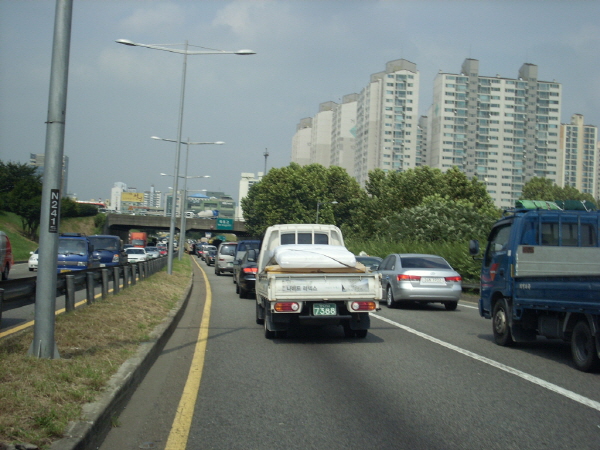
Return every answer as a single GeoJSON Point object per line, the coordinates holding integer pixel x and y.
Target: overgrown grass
{"type": "Point", "coordinates": [456, 253]}
{"type": "Point", "coordinates": [38, 397]}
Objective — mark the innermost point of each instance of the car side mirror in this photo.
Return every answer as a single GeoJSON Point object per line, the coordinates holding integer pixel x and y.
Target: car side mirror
{"type": "Point", "coordinates": [474, 247]}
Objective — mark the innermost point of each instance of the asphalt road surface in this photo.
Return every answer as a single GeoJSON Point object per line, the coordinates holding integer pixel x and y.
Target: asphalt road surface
{"type": "Point", "coordinates": [424, 378]}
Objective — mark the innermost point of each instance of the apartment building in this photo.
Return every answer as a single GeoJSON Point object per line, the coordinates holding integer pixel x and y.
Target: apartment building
{"type": "Point", "coordinates": [301, 142]}
{"type": "Point", "coordinates": [578, 164]}
{"type": "Point", "coordinates": [503, 131]}
{"type": "Point", "coordinates": [387, 121]}
{"type": "Point", "coordinates": [320, 141]}
{"type": "Point", "coordinates": [343, 133]}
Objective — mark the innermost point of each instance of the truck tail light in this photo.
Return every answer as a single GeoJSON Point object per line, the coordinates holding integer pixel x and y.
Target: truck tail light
{"type": "Point", "coordinates": [363, 306]}
{"type": "Point", "coordinates": [455, 279]}
{"type": "Point", "coordinates": [286, 306]}
{"type": "Point", "coordinates": [250, 269]}
{"type": "Point", "coordinates": [403, 277]}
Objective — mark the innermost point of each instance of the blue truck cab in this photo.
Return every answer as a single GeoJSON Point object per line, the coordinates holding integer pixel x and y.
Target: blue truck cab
{"type": "Point", "coordinates": [108, 250]}
{"type": "Point", "coordinates": [540, 275]}
{"type": "Point", "coordinates": [75, 252]}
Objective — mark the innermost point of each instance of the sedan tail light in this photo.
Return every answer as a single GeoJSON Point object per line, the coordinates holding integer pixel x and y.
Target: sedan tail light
{"type": "Point", "coordinates": [403, 277]}
{"type": "Point", "coordinates": [455, 279]}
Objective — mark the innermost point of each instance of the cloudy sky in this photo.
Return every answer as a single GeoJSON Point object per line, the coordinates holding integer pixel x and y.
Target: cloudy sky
{"type": "Point", "coordinates": [308, 52]}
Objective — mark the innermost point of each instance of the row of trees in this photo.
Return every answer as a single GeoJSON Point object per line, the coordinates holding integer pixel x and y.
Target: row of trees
{"type": "Point", "coordinates": [21, 193]}
{"type": "Point", "coordinates": [421, 204]}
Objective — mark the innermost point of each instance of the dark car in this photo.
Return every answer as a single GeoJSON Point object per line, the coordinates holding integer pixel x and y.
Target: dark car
{"type": "Point", "coordinates": [209, 258]}
{"type": "Point", "coordinates": [108, 249]}
{"type": "Point", "coordinates": [246, 275]}
{"type": "Point", "coordinates": [242, 248]}
{"type": "Point", "coordinates": [370, 262]}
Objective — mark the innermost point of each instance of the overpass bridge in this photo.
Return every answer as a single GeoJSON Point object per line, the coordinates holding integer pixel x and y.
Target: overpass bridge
{"type": "Point", "coordinates": [120, 224]}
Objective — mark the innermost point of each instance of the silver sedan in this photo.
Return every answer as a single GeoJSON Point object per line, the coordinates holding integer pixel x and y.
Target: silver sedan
{"type": "Point", "coordinates": [412, 277]}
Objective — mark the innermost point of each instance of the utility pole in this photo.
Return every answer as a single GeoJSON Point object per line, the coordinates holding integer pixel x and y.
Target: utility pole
{"type": "Point", "coordinates": [266, 155]}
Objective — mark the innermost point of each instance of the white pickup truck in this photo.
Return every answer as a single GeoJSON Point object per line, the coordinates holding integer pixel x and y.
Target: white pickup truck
{"type": "Point", "coordinates": [307, 277]}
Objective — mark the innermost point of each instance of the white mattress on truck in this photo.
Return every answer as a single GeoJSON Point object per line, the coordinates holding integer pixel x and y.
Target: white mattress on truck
{"type": "Point", "coordinates": [310, 256]}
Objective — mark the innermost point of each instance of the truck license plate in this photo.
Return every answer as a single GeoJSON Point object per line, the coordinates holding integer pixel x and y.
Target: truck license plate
{"type": "Point", "coordinates": [324, 309]}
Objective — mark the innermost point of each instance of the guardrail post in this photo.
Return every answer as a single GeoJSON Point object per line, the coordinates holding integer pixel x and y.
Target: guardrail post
{"type": "Point", "coordinates": [89, 285]}
{"type": "Point", "coordinates": [125, 277]}
{"type": "Point", "coordinates": [70, 294]}
{"type": "Point", "coordinates": [133, 274]}
{"type": "Point", "coordinates": [104, 283]}
{"type": "Point", "coordinates": [116, 279]}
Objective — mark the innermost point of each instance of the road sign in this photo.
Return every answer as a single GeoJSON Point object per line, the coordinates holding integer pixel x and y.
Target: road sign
{"type": "Point", "coordinates": [224, 224]}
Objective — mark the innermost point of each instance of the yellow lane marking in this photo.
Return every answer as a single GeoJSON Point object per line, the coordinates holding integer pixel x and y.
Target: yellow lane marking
{"type": "Point", "coordinates": [180, 430]}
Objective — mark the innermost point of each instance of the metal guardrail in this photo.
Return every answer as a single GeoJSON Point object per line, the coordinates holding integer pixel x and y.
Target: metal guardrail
{"type": "Point", "coordinates": [21, 292]}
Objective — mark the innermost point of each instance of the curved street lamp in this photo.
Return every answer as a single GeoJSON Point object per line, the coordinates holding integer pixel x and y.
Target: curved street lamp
{"type": "Point", "coordinates": [323, 203]}
{"type": "Point", "coordinates": [185, 52]}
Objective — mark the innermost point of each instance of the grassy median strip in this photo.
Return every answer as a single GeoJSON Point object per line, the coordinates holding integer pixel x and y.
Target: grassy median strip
{"type": "Point", "coordinates": [38, 397]}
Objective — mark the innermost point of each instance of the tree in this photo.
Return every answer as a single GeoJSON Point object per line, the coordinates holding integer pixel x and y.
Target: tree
{"type": "Point", "coordinates": [539, 188]}
{"type": "Point", "coordinates": [290, 195]}
{"type": "Point", "coordinates": [439, 218]}
{"type": "Point", "coordinates": [25, 201]}
{"type": "Point", "coordinates": [10, 175]}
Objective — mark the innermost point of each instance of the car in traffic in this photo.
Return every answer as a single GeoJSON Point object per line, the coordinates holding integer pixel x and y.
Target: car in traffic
{"type": "Point", "coordinates": [32, 263]}
{"type": "Point", "coordinates": [245, 283]}
{"type": "Point", "coordinates": [75, 252]}
{"type": "Point", "coordinates": [370, 262]}
{"type": "Point", "coordinates": [224, 258]}
{"type": "Point", "coordinates": [152, 252]}
{"type": "Point", "coordinates": [6, 255]}
{"type": "Point", "coordinates": [204, 249]}
{"type": "Point", "coordinates": [242, 247]}
{"type": "Point", "coordinates": [422, 278]}
{"type": "Point", "coordinates": [162, 249]}
{"type": "Point", "coordinates": [136, 254]}
{"type": "Point", "coordinates": [108, 249]}
{"type": "Point", "coordinates": [210, 257]}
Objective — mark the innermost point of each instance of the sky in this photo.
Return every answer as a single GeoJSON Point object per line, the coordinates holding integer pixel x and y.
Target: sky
{"type": "Point", "coordinates": [307, 52]}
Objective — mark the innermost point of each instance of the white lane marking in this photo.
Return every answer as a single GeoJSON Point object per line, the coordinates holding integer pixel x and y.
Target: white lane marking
{"type": "Point", "coordinates": [467, 306]}
{"type": "Point", "coordinates": [527, 377]}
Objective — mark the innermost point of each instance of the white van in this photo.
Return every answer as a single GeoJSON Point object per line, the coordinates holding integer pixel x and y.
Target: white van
{"type": "Point", "coordinates": [224, 258]}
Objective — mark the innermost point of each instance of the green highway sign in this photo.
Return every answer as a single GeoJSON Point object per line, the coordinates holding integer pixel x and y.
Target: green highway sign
{"type": "Point", "coordinates": [224, 224]}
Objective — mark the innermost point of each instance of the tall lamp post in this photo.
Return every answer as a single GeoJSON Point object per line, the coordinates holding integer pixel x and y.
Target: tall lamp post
{"type": "Point", "coordinates": [183, 203]}
{"type": "Point", "coordinates": [185, 178]}
{"type": "Point", "coordinates": [323, 203]}
{"type": "Point", "coordinates": [185, 52]}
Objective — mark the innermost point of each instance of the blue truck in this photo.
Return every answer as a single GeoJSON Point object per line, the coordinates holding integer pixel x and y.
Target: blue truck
{"type": "Point", "coordinates": [75, 252]}
{"type": "Point", "coordinates": [540, 276]}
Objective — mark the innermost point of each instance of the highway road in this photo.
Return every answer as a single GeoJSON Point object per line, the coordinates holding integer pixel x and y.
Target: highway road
{"type": "Point", "coordinates": [424, 378]}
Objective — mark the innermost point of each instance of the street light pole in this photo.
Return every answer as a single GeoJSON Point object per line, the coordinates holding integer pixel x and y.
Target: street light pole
{"type": "Point", "coordinates": [185, 53]}
{"type": "Point", "coordinates": [323, 203]}
{"type": "Point", "coordinates": [185, 177]}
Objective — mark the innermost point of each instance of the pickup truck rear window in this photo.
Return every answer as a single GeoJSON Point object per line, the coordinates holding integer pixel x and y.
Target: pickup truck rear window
{"type": "Point", "coordinates": [305, 238]}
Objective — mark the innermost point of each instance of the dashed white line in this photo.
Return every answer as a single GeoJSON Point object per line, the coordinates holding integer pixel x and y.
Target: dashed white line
{"type": "Point", "coordinates": [532, 379]}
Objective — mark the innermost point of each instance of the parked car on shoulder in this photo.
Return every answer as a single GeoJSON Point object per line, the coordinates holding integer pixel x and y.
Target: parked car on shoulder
{"type": "Point", "coordinates": [245, 283]}
{"type": "Point", "coordinates": [224, 258]}
{"type": "Point", "coordinates": [6, 255]}
{"type": "Point", "coordinates": [412, 277]}
{"type": "Point", "coordinates": [32, 263]}
{"type": "Point", "coordinates": [136, 254]}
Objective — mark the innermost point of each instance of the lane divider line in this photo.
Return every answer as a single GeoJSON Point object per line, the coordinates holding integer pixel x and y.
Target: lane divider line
{"type": "Point", "coordinates": [511, 370]}
{"type": "Point", "coordinates": [180, 429]}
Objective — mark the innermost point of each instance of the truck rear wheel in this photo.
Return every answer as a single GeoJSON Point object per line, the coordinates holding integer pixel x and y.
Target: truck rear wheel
{"type": "Point", "coordinates": [583, 347]}
{"type": "Point", "coordinates": [500, 325]}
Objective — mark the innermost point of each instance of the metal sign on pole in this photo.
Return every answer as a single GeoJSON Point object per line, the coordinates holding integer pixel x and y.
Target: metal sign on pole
{"type": "Point", "coordinates": [44, 345]}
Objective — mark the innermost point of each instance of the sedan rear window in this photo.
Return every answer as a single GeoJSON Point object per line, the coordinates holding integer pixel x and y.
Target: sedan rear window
{"type": "Point", "coordinates": [424, 262]}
